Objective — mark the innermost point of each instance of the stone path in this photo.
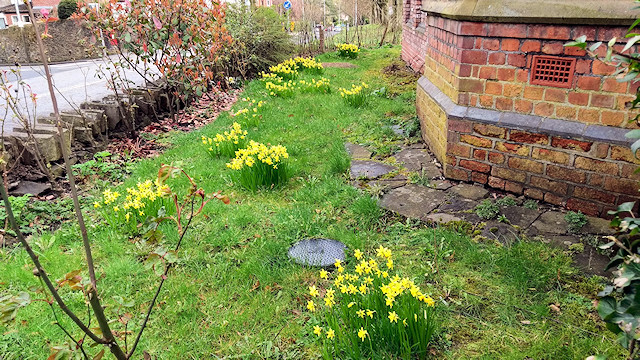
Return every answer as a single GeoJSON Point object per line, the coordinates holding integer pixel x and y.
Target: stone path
{"type": "Point", "coordinates": [445, 202]}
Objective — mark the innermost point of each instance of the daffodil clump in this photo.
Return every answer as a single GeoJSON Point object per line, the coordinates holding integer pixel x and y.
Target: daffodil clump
{"type": "Point", "coordinates": [357, 96]}
{"type": "Point", "coordinates": [227, 143]}
{"type": "Point", "coordinates": [348, 50]}
{"type": "Point", "coordinates": [307, 64]}
{"type": "Point", "coordinates": [133, 207]}
{"type": "Point", "coordinates": [251, 115]}
{"type": "Point", "coordinates": [285, 70]}
{"type": "Point", "coordinates": [260, 166]}
{"type": "Point", "coordinates": [318, 86]}
{"type": "Point", "coordinates": [283, 88]}
{"type": "Point", "coordinates": [370, 311]}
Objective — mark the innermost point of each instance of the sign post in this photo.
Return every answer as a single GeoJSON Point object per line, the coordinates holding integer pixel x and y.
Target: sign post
{"type": "Point", "coordinates": [287, 7]}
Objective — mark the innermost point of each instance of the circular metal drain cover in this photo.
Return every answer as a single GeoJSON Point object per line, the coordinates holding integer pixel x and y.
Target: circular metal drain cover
{"type": "Point", "coordinates": [317, 252]}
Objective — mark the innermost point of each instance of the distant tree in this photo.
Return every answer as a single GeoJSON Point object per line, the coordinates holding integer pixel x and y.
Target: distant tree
{"type": "Point", "coordinates": [66, 8]}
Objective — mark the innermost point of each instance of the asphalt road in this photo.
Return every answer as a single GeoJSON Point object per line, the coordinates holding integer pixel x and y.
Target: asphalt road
{"type": "Point", "coordinates": [74, 83]}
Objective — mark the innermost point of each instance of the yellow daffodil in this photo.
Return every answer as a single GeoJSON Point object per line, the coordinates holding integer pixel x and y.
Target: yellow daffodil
{"type": "Point", "coordinates": [313, 291]}
{"type": "Point", "coordinates": [362, 333]}
{"type": "Point", "coordinates": [393, 317]}
{"type": "Point", "coordinates": [317, 330]}
{"type": "Point", "coordinates": [331, 334]}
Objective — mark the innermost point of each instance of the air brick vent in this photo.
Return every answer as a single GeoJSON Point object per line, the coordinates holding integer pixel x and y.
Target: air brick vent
{"type": "Point", "coordinates": [552, 71]}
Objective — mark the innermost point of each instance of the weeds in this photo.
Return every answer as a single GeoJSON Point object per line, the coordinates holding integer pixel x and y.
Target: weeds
{"type": "Point", "coordinates": [487, 210]}
{"type": "Point", "coordinates": [575, 221]}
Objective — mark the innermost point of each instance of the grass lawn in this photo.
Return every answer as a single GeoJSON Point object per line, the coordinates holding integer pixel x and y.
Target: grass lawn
{"type": "Point", "coordinates": [234, 292]}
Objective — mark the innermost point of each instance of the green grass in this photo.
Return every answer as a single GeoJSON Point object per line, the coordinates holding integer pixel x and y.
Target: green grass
{"type": "Point", "coordinates": [235, 294]}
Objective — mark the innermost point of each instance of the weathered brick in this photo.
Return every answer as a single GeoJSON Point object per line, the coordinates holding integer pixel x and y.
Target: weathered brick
{"type": "Point", "coordinates": [527, 137]}
{"type": "Point", "coordinates": [487, 72]}
{"type": "Point", "coordinates": [523, 106]}
{"type": "Point", "coordinates": [586, 207]}
{"type": "Point", "coordinates": [596, 180]}
{"type": "Point", "coordinates": [576, 98]}
{"type": "Point", "coordinates": [506, 74]}
{"type": "Point", "coordinates": [493, 88]}
{"type": "Point", "coordinates": [566, 112]}
{"type": "Point", "coordinates": [497, 58]}
{"type": "Point", "coordinates": [596, 165]}
{"type": "Point", "coordinates": [557, 157]}
{"type": "Point", "coordinates": [600, 68]}
{"type": "Point", "coordinates": [549, 32]}
{"type": "Point", "coordinates": [490, 130]}
{"type": "Point", "coordinates": [475, 166]}
{"type": "Point", "coordinates": [517, 149]}
{"type": "Point", "coordinates": [531, 46]}
{"type": "Point", "coordinates": [465, 70]}
{"type": "Point", "coordinates": [533, 92]}
{"type": "Point", "coordinates": [490, 44]}
{"type": "Point", "coordinates": [480, 154]}
{"type": "Point", "coordinates": [459, 126]}
{"type": "Point", "coordinates": [571, 144]}
{"type": "Point", "coordinates": [457, 173]}
{"type": "Point", "coordinates": [471, 85]}
{"type": "Point", "coordinates": [522, 75]}
{"type": "Point", "coordinates": [507, 30]}
{"type": "Point", "coordinates": [526, 165]}
{"type": "Point", "coordinates": [549, 185]}
{"type": "Point", "coordinates": [629, 172]}
{"type": "Point", "coordinates": [513, 187]}
{"type": "Point", "coordinates": [574, 51]}
{"type": "Point", "coordinates": [512, 90]}
{"type": "Point", "coordinates": [534, 194]}
{"type": "Point", "coordinates": [496, 158]}
{"type": "Point", "coordinates": [583, 66]}
{"type": "Point", "coordinates": [612, 118]}
{"type": "Point", "coordinates": [567, 174]}
{"type": "Point", "coordinates": [458, 149]}
{"type": "Point", "coordinates": [486, 101]}
{"type": "Point", "coordinates": [543, 109]}
{"type": "Point", "coordinates": [495, 182]}
{"type": "Point", "coordinates": [623, 154]}
{"type": "Point", "coordinates": [588, 83]}
{"type": "Point", "coordinates": [510, 44]}
{"type": "Point", "coordinates": [509, 174]}
{"type": "Point", "coordinates": [517, 60]}
{"type": "Point", "coordinates": [613, 85]}
{"type": "Point", "coordinates": [600, 100]}
{"type": "Point", "coordinates": [553, 48]}
{"type": "Point", "coordinates": [554, 199]}
{"type": "Point", "coordinates": [476, 141]}
{"type": "Point", "coordinates": [473, 28]}
{"type": "Point", "coordinates": [473, 57]}
{"type": "Point", "coordinates": [556, 95]}
{"type": "Point", "coordinates": [479, 177]}
{"type": "Point", "coordinates": [589, 115]}
{"type": "Point", "coordinates": [504, 104]}
{"type": "Point", "coordinates": [601, 151]}
{"type": "Point", "coordinates": [593, 194]}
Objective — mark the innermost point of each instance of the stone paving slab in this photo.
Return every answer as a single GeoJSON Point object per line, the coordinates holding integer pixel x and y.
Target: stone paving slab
{"type": "Point", "coordinates": [413, 201]}
{"type": "Point", "coordinates": [369, 169]}
{"type": "Point", "coordinates": [551, 222]}
{"type": "Point", "coordinates": [357, 151]}
{"type": "Point", "coordinates": [521, 216]}
{"type": "Point", "coordinates": [441, 218]}
{"type": "Point", "coordinates": [472, 192]}
{"type": "Point", "coordinates": [413, 159]}
{"type": "Point", "coordinates": [392, 183]}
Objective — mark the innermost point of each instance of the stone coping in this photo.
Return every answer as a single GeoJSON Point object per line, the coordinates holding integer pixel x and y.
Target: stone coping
{"type": "Point", "coordinates": [532, 123]}
{"type": "Point", "coordinates": [584, 12]}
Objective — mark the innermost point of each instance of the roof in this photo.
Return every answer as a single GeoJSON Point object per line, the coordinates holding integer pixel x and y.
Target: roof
{"type": "Point", "coordinates": [12, 9]}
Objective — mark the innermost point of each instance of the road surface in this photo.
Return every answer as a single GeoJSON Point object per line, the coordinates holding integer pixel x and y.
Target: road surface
{"type": "Point", "coordinates": [74, 83]}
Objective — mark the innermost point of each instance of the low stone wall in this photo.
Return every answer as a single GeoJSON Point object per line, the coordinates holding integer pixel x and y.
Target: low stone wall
{"type": "Point", "coordinates": [567, 163]}
{"type": "Point", "coordinates": [69, 41]}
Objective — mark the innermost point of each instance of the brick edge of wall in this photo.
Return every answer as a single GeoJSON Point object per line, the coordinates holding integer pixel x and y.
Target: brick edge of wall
{"type": "Point", "coordinates": [566, 163]}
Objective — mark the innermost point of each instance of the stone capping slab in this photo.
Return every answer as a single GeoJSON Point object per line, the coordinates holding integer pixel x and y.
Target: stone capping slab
{"type": "Point", "coordinates": [592, 12]}
{"type": "Point", "coordinates": [532, 123]}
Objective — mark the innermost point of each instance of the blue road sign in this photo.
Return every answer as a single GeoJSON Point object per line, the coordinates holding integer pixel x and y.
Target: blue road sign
{"type": "Point", "coordinates": [287, 4]}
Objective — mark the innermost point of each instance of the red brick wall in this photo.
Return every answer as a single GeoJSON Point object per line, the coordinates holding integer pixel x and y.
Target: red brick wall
{"type": "Point", "coordinates": [589, 176]}
{"type": "Point", "coordinates": [414, 35]}
{"type": "Point", "coordinates": [488, 65]}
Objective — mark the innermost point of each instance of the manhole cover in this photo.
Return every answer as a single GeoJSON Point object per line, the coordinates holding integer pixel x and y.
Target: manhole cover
{"type": "Point", "coordinates": [317, 252]}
